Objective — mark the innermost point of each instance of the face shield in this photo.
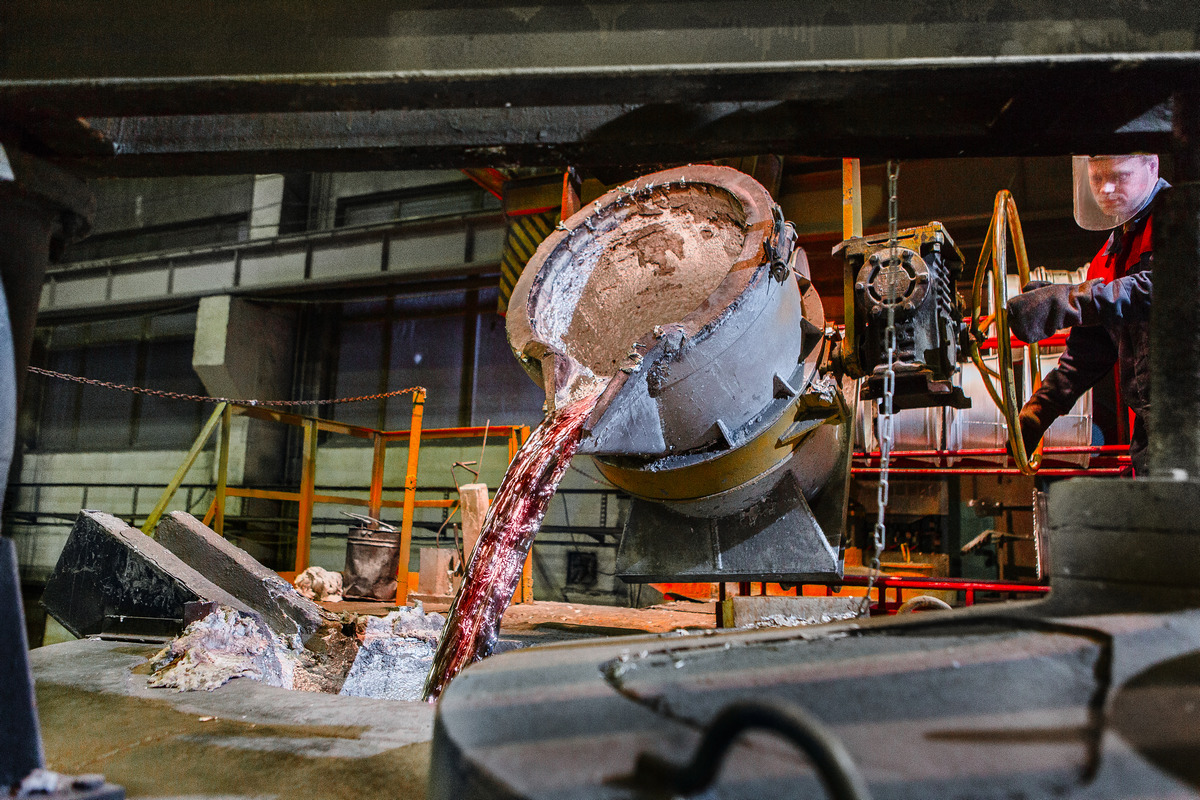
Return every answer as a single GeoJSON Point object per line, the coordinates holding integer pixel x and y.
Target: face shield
{"type": "Point", "coordinates": [1111, 190]}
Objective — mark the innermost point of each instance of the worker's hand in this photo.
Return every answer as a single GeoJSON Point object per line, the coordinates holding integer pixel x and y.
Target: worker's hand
{"type": "Point", "coordinates": [1031, 430]}
{"type": "Point", "coordinates": [1043, 308]}
{"type": "Point", "coordinates": [1033, 420]}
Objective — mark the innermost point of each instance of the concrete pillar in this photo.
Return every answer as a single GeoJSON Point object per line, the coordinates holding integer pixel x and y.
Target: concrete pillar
{"type": "Point", "coordinates": [266, 207]}
{"type": "Point", "coordinates": [1174, 424]}
{"type": "Point", "coordinates": [244, 351]}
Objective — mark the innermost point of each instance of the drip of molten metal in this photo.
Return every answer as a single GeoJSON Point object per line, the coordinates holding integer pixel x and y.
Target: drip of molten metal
{"type": "Point", "coordinates": [508, 531]}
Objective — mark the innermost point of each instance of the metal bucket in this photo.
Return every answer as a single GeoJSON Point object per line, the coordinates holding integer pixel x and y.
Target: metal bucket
{"type": "Point", "coordinates": [372, 561]}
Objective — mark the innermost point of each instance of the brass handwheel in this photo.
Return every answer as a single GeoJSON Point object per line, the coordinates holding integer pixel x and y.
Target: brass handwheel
{"type": "Point", "coordinates": [994, 259]}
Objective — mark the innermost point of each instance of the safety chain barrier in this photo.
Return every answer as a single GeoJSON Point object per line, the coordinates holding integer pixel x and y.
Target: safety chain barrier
{"type": "Point", "coordinates": [203, 398]}
{"type": "Point", "coordinates": [886, 422]}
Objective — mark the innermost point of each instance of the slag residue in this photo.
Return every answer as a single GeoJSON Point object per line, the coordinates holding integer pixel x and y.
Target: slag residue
{"type": "Point", "coordinates": [511, 524]}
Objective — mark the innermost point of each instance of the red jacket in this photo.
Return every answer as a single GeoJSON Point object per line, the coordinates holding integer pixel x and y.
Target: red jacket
{"type": "Point", "coordinates": [1109, 319]}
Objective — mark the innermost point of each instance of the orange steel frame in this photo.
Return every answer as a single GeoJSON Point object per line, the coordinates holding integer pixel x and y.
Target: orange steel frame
{"type": "Point", "coordinates": [307, 497]}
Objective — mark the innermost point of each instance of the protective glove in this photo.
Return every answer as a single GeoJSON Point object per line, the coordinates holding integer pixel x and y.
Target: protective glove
{"type": "Point", "coordinates": [1043, 308]}
{"type": "Point", "coordinates": [1033, 420]}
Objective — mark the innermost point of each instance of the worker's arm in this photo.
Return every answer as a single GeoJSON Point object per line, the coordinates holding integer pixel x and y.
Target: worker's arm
{"type": "Point", "coordinates": [1089, 356]}
{"type": "Point", "coordinates": [1043, 309]}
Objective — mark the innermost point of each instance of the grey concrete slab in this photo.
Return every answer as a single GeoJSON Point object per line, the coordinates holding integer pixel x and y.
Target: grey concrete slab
{"type": "Point", "coordinates": [286, 611]}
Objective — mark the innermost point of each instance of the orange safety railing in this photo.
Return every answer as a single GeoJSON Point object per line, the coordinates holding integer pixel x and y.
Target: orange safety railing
{"type": "Point", "coordinates": [307, 496]}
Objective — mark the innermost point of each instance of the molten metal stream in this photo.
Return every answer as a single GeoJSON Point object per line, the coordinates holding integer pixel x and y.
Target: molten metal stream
{"type": "Point", "coordinates": [508, 531]}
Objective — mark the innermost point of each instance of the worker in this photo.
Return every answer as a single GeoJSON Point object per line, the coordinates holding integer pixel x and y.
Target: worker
{"type": "Point", "coordinates": [1109, 313]}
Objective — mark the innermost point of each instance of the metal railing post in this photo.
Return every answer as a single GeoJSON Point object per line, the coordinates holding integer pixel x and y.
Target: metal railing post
{"type": "Point", "coordinates": [308, 488]}
{"type": "Point", "coordinates": [375, 502]}
{"type": "Point", "coordinates": [181, 473]}
{"type": "Point", "coordinates": [223, 468]}
{"type": "Point", "coordinates": [410, 497]}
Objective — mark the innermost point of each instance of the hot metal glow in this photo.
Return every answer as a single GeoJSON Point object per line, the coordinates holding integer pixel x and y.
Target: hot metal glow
{"type": "Point", "coordinates": [511, 524]}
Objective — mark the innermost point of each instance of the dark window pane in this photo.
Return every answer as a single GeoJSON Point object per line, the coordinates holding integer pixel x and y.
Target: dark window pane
{"type": "Point", "coordinates": [427, 352]}
{"type": "Point", "coordinates": [56, 428]}
{"type": "Point", "coordinates": [504, 393]}
{"type": "Point", "coordinates": [170, 424]}
{"type": "Point", "coordinates": [104, 423]}
{"type": "Point", "coordinates": [360, 359]}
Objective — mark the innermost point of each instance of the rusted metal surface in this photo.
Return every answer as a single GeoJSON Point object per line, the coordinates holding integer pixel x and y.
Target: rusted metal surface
{"type": "Point", "coordinates": [966, 705]}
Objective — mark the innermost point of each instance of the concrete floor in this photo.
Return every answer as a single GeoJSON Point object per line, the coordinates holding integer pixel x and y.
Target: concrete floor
{"type": "Point", "coordinates": [246, 739]}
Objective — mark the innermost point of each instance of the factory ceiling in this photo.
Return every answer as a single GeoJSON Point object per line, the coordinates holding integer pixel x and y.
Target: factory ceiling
{"type": "Point", "coordinates": [132, 88]}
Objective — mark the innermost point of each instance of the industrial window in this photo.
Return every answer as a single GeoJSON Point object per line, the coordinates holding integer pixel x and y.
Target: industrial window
{"type": "Point", "coordinates": [154, 352]}
{"type": "Point", "coordinates": [452, 343]}
{"type": "Point", "coordinates": [420, 202]}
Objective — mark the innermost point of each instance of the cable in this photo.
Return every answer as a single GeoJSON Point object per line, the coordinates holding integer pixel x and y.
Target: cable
{"type": "Point", "coordinates": [834, 766]}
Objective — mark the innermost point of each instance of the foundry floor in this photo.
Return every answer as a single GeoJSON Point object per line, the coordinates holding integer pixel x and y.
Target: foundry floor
{"type": "Point", "coordinates": [248, 740]}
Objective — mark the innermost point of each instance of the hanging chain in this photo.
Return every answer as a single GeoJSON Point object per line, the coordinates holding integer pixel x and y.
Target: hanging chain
{"type": "Point", "coordinates": [203, 398]}
{"type": "Point", "coordinates": [886, 421]}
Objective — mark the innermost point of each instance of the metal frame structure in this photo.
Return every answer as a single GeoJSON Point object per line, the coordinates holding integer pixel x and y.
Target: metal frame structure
{"type": "Point", "coordinates": [307, 496]}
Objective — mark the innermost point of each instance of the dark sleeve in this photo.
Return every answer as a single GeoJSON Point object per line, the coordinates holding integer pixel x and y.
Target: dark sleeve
{"type": "Point", "coordinates": [1089, 356]}
{"type": "Point", "coordinates": [1037, 314]}
{"type": "Point", "coordinates": [1121, 301]}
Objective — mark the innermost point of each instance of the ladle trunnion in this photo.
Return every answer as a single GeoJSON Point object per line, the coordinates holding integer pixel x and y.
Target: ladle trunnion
{"type": "Point", "coordinates": [685, 292]}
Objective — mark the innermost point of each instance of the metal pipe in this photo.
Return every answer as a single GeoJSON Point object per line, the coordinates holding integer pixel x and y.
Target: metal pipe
{"type": "Point", "coordinates": [181, 473]}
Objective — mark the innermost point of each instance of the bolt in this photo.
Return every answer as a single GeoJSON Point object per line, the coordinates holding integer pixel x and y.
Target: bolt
{"type": "Point", "coordinates": [858, 287]}
{"type": "Point", "coordinates": [922, 278]}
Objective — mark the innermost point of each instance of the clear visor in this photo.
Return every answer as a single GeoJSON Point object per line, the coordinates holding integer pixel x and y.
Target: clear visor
{"type": "Point", "coordinates": [1112, 191]}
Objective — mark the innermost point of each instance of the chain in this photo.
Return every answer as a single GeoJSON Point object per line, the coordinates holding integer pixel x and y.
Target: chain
{"type": "Point", "coordinates": [203, 398]}
{"type": "Point", "coordinates": [886, 421]}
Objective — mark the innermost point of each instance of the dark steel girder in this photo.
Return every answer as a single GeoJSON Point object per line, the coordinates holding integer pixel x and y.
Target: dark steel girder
{"type": "Point", "coordinates": [303, 85]}
{"type": "Point", "coordinates": [1031, 106]}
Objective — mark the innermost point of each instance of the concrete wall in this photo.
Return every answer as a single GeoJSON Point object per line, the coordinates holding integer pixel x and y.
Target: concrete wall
{"type": "Point", "coordinates": [38, 546]}
{"type": "Point", "coordinates": [130, 203]}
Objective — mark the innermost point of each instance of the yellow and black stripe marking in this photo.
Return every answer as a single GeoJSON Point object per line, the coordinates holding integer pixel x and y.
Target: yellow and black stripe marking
{"type": "Point", "coordinates": [525, 233]}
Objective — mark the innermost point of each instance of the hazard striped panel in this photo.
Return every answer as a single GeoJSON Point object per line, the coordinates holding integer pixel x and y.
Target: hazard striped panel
{"type": "Point", "coordinates": [525, 233]}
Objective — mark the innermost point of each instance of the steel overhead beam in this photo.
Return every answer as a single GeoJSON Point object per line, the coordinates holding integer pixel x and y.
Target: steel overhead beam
{"type": "Point", "coordinates": [636, 84]}
{"type": "Point", "coordinates": [299, 85]}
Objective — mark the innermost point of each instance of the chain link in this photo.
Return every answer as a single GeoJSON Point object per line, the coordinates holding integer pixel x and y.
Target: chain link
{"type": "Point", "coordinates": [203, 398]}
{"type": "Point", "coordinates": [886, 427]}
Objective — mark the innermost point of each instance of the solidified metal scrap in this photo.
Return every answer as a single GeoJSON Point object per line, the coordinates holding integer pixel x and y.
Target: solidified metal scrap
{"type": "Point", "coordinates": [395, 656]}
{"type": "Point", "coordinates": [318, 583]}
{"type": "Point", "coordinates": [224, 645]}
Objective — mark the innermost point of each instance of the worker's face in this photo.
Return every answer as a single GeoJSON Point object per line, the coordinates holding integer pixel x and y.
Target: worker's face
{"type": "Point", "coordinates": [1121, 185]}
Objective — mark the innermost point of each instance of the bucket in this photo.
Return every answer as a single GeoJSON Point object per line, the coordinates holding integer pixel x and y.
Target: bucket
{"type": "Point", "coordinates": [372, 561]}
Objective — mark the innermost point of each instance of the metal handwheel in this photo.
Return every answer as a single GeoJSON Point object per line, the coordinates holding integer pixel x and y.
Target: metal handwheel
{"type": "Point", "coordinates": [994, 258]}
